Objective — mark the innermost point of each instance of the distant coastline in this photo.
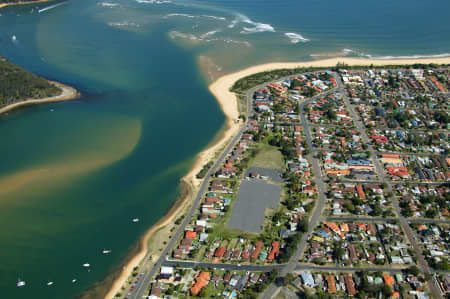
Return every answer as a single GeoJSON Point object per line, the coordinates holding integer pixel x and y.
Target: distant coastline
{"type": "Point", "coordinates": [24, 3]}
{"type": "Point", "coordinates": [68, 93]}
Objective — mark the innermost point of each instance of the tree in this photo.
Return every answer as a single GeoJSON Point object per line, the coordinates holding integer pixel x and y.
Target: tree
{"type": "Point", "coordinates": [288, 279]}
{"type": "Point", "coordinates": [303, 225]}
{"type": "Point", "coordinates": [414, 270]}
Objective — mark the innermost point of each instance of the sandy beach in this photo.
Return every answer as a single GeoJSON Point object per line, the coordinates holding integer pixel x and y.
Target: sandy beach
{"type": "Point", "coordinates": [68, 93]}
{"type": "Point", "coordinates": [24, 3]}
{"type": "Point", "coordinates": [228, 103]}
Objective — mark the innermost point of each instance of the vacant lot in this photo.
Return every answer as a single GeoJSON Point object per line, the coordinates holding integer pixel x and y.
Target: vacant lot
{"type": "Point", "coordinates": [252, 200]}
{"type": "Point", "coordinates": [268, 157]}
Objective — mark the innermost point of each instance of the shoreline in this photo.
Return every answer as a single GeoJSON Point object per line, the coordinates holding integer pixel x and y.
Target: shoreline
{"type": "Point", "coordinates": [24, 3]}
{"type": "Point", "coordinates": [227, 101]}
{"type": "Point", "coordinates": [68, 93]}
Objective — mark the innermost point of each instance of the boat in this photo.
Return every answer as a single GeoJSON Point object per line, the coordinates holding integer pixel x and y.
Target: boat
{"type": "Point", "coordinates": [74, 280]}
{"type": "Point", "coordinates": [135, 220]}
{"type": "Point", "coordinates": [86, 265]}
{"type": "Point", "coordinates": [14, 38]}
{"type": "Point", "coordinates": [20, 283]}
{"type": "Point", "coordinates": [49, 283]}
{"type": "Point", "coordinates": [106, 251]}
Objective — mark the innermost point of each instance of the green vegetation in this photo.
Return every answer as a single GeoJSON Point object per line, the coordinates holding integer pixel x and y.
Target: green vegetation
{"type": "Point", "coordinates": [17, 84]}
{"type": "Point", "coordinates": [250, 81]}
{"type": "Point", "coordinates": [253, 80]}
{"type": "Point", "coordinates": [268, 157]}
{"type": "Point", "coordinates": [201, 174]}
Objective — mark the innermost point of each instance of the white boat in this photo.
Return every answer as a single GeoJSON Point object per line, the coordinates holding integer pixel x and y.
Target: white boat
{"type": "Point", "coordinates": [106, 251]}
{"type": "Point", "coordinates": [86, 265]}
{"type": "Point", "coordinates": [14, 38]}
{"type": "Point", "coordinates": [74, 280]}
{"type": "Point", "coordinates": [135, 220]}
{"type": "Point", "coordinates": [49, 283]}
{"type": "Point", "coordinates": [20, 283]}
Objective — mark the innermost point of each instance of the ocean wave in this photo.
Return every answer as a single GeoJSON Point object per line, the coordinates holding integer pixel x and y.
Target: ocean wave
{"type": "Point", "coordinates": [193, 16]}
{"type": "Point", "coordinates": [108, 4]}
{"type": "Point", "coordinates": [296, 38]}
{"type": "Point", "coordinates": [257, 27]}
{"type": "Point", "coordinates": [215, 17]}
{"type": "Point", "coordinates": [180, 15]}
{"type": "Point", "coordinates": [123, 24]}
{"type": "Point", "coordinates": [154, 1]}
{"type": "Point", "coordinates": [232, 41]}
{"type": "Point", "coordinates": [177, 34]}
{"type": "Point", "coordinates": [203, 38]}
{"type": "Point", "coordinates": [209, 33]}
{"type": "Point", "coordinates": [347, 50]}
{"type": "Point", "coordinates": [406, 56]}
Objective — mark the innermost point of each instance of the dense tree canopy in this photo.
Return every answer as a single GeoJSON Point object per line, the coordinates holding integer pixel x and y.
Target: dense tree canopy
{"type": "Point", "coordinates": [17, 84]}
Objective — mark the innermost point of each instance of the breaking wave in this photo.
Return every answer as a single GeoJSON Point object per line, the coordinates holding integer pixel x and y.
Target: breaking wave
{"type": "Point", "coordinates": [108, 4]}
{"type": "Point", "coordinates": [406, 56]}
{"type": "Point", "coordinates": [296, 38]}
{"type": "Point", "coordinates": [215, 17]}
{"type": "Point", "coordinates": [256, 26]}
{"type": "Point", "coordinates": [209, 33]}
{"type": "Point", "coordinates": [154, 1]}
{"type": "Point", "coordinates": [203, 38]}
{"type": "Point", "coordinates": [123, 24]}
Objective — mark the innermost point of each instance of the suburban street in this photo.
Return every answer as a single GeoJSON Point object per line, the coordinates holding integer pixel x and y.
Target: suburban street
{"type": "Point", "coordinates": [151, 268]}
{"type": "Point", "coordinates": [423, 265]}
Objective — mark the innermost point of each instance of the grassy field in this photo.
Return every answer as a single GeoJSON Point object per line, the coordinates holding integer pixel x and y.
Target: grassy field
{"type": "Point", "coordinates": [268, 157]}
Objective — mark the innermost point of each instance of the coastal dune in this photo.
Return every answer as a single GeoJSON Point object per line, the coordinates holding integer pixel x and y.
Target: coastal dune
{"type": "Point", "coordinates": [228, 103]}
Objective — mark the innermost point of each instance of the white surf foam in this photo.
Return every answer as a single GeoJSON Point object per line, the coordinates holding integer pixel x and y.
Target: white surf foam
{"type": "Point", "coordinates": [406, 56]}
{"type": "Point", "coordinates": [296, 38]}
{"type": "Point", "coordinates": [180, 15]}
{"type": "Point", "coordinates": [232, 41]}
{"type": "Point", "coordinates": [153, 1]}
{"type": "Point", "coordinates": [209, 33]}
{"type": "Point", "coordinates": [123, 24]}
{"type": "Point", "coordinates": [177, 34]}
{"type": "Point", "coordinates": [108, 4]}
{"type": "Point", "coordinates": [215, 17]}
{"type": "Point", "coordinates": [257, 27]}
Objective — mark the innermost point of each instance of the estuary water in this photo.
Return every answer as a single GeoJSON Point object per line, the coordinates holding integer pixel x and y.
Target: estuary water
{"type": "Point", "coordinates": [73, 175]}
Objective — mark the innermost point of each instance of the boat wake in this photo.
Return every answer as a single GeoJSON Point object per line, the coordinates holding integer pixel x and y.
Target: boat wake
{"type": "Point", "coordinates": [51, 7]}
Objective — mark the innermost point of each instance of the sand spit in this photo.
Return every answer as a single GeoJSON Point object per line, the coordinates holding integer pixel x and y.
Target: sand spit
{"type": "Point", "coordinates": [68, 93]}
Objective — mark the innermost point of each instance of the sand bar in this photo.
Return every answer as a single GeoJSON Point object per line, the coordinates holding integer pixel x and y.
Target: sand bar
{"type": "Point", "coordinates": [228, 103]}
{"type": "Point", "coordinates": [24, 3]}
{"type": "Point", "coordinates": [68, 93]}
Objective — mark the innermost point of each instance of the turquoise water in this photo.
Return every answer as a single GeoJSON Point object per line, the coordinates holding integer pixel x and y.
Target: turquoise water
{"type": "Point", "coordinates": [74, 174]}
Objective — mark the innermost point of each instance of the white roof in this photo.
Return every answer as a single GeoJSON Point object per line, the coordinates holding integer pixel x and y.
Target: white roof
{"type": "Point", "coordinates": [166, 270]}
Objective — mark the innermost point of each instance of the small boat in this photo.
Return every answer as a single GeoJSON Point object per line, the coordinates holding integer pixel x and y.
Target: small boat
{"type": "Point", "coordinates": [135, 220]}
{"type": "Point", "coordinates": [20, 283]}
{"type": "Point", "coordinates": [49, 283]}
{"type": "Point", "coordinates": [74, 280]}
{"type": "Point", "coordinates": [106, 251]}
{"type": "Point", "coordinates": [86, 265]}
{"type": "Point", "coordinates": [14, 38]}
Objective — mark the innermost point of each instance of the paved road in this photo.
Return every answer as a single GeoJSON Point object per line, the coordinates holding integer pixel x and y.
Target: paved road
{"type": "Point", "coordinates": [267, 268]}
{"type": "Point", "coordinates": [317, 213]}
{"type": "Point", "coordinates": [380, 219]}
{"type": "Point", "coordinates": [141, 291]}
{"type": "Point", "coordinates": [403, 222]}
